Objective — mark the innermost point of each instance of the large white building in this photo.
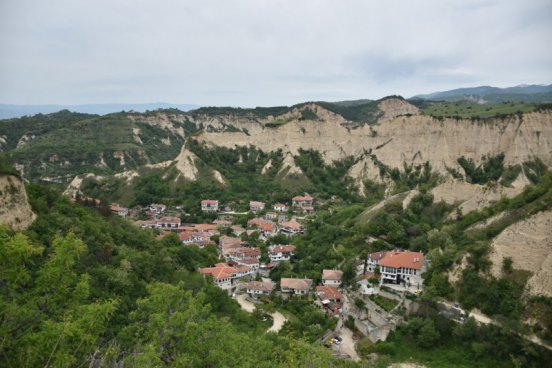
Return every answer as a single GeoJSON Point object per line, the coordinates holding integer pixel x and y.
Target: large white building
{"type": "Point", "coordinates": [279, 253]}
{"type": "Point", "coordinates": [396, 266]}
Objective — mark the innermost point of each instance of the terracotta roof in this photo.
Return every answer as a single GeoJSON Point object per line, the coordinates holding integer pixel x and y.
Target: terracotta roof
{"type": "Point", "coordinates": [185, 235]}
{"type": "Point", "coordinates": [332, 275]}
{"type": "Point", "coordinates": [302, 198]}
{"type": "Point", "coordinates": [259, 285]}
{"type": "Point", "coordinates": [328, 292]}
{"type": "Point", "coordinates": [245, 252]}
{"type": "Point", "coordinates": [293, 224]}
{"type": "Point", "coordinates": [282, 248]}
{"type": "Point", "coordinates": [219, 271]}
{"type": "Point", "coordinates": [209, 201]}
{"type": "Point", "coordinates": [256, 204]}
{"type": "Point", "coordinates": [267, 226]}
{"type": "Point", "coordinates": [299, 284]}
{"type": "Point", "coordinates": [249, 260]}
{"type": "Point", "coordinates": [403, 259]}
{"type": "Point", "coordinates": [255, 222]}
{"type": "Point", "coordinates": [278, 205]}
{"type": "Point", "coordinates": [205, 227]}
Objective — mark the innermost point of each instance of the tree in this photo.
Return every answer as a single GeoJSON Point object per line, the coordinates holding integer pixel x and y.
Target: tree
{"type": "Point", "coordinates": [428, 334]}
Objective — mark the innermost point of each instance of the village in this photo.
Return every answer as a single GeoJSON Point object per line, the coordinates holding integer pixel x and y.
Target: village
{"type": "Point", "coordinates": [384, 286]}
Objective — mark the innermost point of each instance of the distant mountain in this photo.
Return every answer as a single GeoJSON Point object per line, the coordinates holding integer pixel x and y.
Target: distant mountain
{"type": "Point", "coordinates": [487, 94]}
{"type": "Point", "coordinates": [14, 111]}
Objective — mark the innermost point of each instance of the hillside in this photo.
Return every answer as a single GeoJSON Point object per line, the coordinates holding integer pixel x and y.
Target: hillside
{"type": "Point", "coordinates": [487, 94]}
{"type": "Point", "coordinates": [386, 142]}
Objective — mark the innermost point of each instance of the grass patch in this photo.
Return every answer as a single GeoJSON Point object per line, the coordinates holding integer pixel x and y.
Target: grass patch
{"type": "Point", "coordinates": [467, 110]}
{"type": "Point", "coordinates": [385, 303]}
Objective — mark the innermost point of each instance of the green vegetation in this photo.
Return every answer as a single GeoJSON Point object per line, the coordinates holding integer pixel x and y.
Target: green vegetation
{"type": "Point", "coordinates": [434, 341]}
{"type": "Point", "coordinates": [386, 303]}
{"type": "Point", "coordinates": [468, 110]}
{"type": "Point", "coordinates": [366, 112]}
{"type": "Point", "coordinates": [78, 287]}
{"type": "Point", "coordinates": [65, 144]}
{"type": "Point", "coordinates": [6, 165]}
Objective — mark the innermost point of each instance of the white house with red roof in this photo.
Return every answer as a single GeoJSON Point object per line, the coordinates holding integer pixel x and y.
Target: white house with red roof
{"type": "Point", "coordinates": [332, 277]}
{"type": "Point", "coordinates": [210, 205]}
{"type": "Point", "coordinates": [118, 210]}
{"type": "Point", "coordinates": [396, 266]}
{"type": "Point", "coordinates": [244, 256]}
{"type": "Point", "coordinates": [279, 253]}
{"type": "Point", "coordinates": [279, 207]}
{"type": "Point", "coordinates": [268, 229]}
{"type": "Point", "coordinates": [225, 276]}
{"type": "Point", "coordinates": [301, 201]}
{"type": "Point", "coordinates": [291, 227]}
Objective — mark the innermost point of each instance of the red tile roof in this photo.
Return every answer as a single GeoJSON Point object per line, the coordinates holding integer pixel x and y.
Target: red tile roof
{"type": "Point", "coordinates": [219, 271]}
{"type": "Point", "coordinates": [209, 201]}
{"type": "Point", "coordinates": [402, 259]}
{"type": "Point", "coordinates": [302, 198]}
{"type": "Point", "coordinates": [328, 292]}
{"type": "Point", "coordinates": [286, 248]}
{"type": "Point", "coordinates": [292, 224]}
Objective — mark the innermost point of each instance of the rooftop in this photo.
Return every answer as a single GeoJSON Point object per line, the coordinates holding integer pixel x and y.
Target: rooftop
{"type": "Point", "coordinates": [403, 259]}
{"type": "Point", "coordinates": [299, 284]}
{"type": "Point", "coordinates": [332, 275]}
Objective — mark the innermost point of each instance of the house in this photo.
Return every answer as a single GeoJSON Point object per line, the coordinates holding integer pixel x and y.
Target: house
{"type": "Point", "coordinates": [170, 222]}
{"type": "Point", "coordinates": [279, 207]}
{"type": "Point", "coordinates": [397, 266]}
{"type": "Point", "coordinates": [291, 227]}
{"type": "Point", "coordinates": [225, 276]}
{"type": "Point", "coordinates": [244, 256]}
{"type": "Point", "coordinates": [279, 253]}
{"type": "Point", "coordinates": [163, 223]}
{"type": "Point", "coordinates": [209, 205]}
{"type": "Point", "coordinates": [223, 223]}
{"type": "Point", "coordinates": [308, 209]}
{"type": "Point", "coordinates": [255, 222]}
{"type": "Point", "coordinates": [301, 201]}
{"type": "Point", "coordinates": [332, 277]}
{"type": "Point", "coordinates": [328, 294]}
{"type": "Point", "coordinates": [186, 237]}
{"type": "Point", "coordinates": [258, 287]}
{"type": "Point", "coordinates": [268, 229]}
{"type": "Point", "coordinates": [255, 206]}
{"type": "Point", "coordinates": [271, 216]}
{"type": "Point", "coordinates": [118, 210]}
{"type": "Point", "coordinates": [157, 208]}
{"type": "Point", "coordinates": [295, 286]}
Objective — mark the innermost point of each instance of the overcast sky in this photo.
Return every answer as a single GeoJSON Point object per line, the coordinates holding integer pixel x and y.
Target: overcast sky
{"type": "Point", "coordinates": [261, 52]}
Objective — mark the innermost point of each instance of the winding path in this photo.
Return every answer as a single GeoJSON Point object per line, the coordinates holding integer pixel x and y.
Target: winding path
{"type": "Point", "coordinates": [277, 317]}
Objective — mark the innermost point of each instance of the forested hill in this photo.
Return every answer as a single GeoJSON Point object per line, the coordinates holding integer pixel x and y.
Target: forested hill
{"type": "Point", "coordinates": [82, 288]}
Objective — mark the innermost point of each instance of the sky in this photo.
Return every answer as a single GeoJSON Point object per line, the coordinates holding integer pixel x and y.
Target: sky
{"type": "Point", "coordinates": [265, 52]}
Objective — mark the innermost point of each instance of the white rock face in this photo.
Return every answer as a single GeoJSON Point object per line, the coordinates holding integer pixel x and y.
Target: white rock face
{"type": "Point", "coordinates": [529, 244]}
{"type": "Point", "coordinates": [15, 210]}
{"type": "Point", "coordinates": [410, 139]}
{"type": "Point", "coordinates": [218, 177]}
{"type": "Point", "coordinates": [185, 163]}
{"type": "Point", "coordinates": [289, 166]}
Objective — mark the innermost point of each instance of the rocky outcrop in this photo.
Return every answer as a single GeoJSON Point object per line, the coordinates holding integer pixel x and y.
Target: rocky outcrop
{"type": "Point", "coordinates": [470, 197]}
{"type": "Point", "coordinates": [15, 210]}
{"type": "Point", "coordinates": [186, 165]}
{"type": "Point", "coordinates": [391, 108]}
{"type": "Point", "coordinates": [401, 139]}
{"type": "Point", "coordinates": [289, 168]}
{"type": "Point", "coordinates": [529, 244]}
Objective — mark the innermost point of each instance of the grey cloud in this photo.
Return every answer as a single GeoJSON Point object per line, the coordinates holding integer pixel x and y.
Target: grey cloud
{"type": "Point", "coordinates": [249, 53]}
